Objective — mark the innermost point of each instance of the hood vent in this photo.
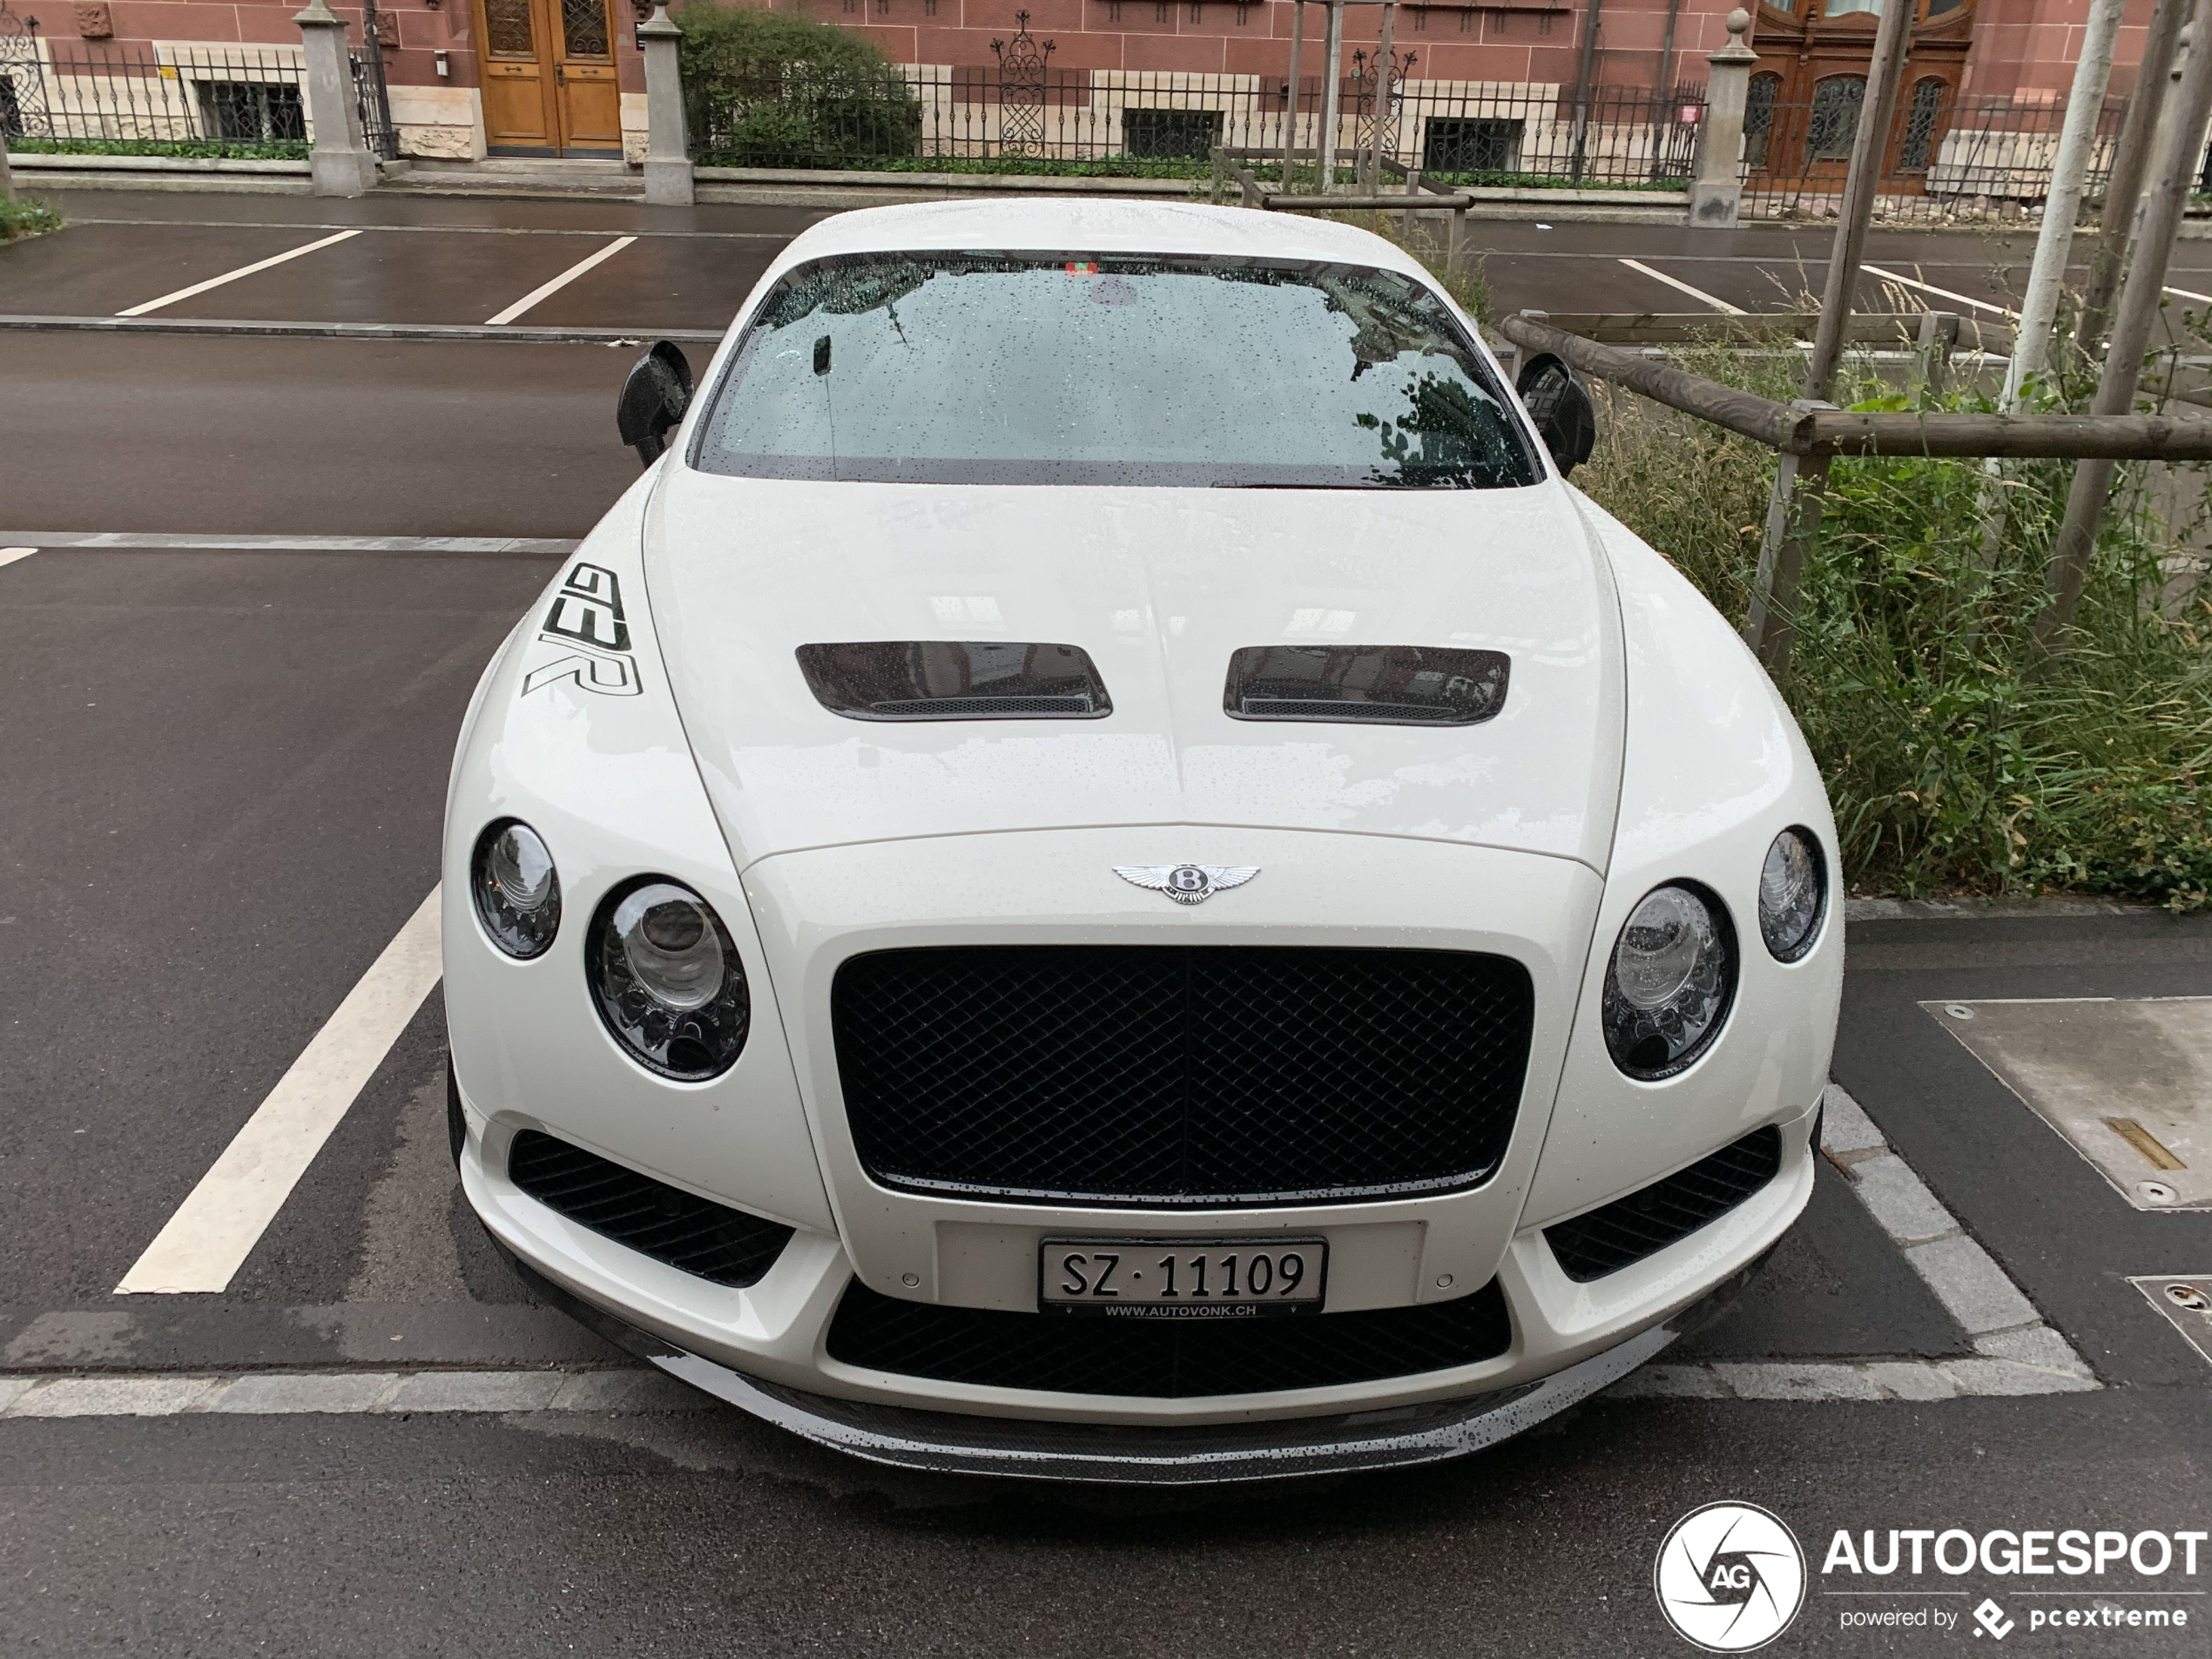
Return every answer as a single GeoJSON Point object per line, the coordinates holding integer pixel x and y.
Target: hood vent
{"type": "Point", "coordinates": [938, 679]}
{"type": "Point", "coordinates": [1370, 685]}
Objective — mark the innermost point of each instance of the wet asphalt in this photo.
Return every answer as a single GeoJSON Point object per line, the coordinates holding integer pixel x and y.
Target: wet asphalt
{"type": "Point", "coordinates": [225, 775]}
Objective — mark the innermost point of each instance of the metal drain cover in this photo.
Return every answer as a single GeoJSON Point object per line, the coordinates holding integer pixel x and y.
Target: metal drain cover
{"type": "Point", "coordinates": [2127, 1081]}
{"type": "Point", "coordinates": [2187, 1303]}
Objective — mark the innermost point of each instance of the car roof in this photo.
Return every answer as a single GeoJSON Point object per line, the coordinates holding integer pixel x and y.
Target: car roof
{"type": "Point", "coordinates": [1087, 224]}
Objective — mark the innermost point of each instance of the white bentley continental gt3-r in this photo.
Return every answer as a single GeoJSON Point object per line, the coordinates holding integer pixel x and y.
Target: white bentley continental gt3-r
{"type": "Point", "coordinates": [1103, 873]}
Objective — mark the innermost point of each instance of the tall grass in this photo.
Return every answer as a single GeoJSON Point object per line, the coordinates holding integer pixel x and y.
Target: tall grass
{"type": "Point", "coordinates": [1959, 759]}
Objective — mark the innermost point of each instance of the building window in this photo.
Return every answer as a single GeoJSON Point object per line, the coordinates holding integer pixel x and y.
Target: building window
{"type": "Point", "coordinates": [1420, 21]}
{"type": "Point", "coordinates": [1455, 144]}
{"type": "Point", "coordinates": [928, 8]}
{"type": "Point", "coordinates": [1164, 12]}
{"type": "Point", "coordinates": [1244, 16]}
{"type": "Point", "coordinates": [249, 113]}
{"type": "Point", "coordinates": [1113, 11]}
{"type": "Point", "coordinates": [1758, 118]}
{"type": "Point", "coordinates": [1171, 135]}
{"type": "Point", "coordinates": [1197, 10]}
{"type": "Point", "coordinates": [1466, 22]}
{"type": "Point", "coordinates": [1836, 104]}
{"type": "Point", "coordinates": [1919, 148]}
{"type": "Point", "coordinates": [882, 7]}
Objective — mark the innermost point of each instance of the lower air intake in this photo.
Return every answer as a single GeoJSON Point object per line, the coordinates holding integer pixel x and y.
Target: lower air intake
{"type": "Point", "coordinates": [1167, 1360]}
{"type": "Point", "coordinates": [688, 1232]}
{"type": "Point", "coordinates": [1647, 1221]}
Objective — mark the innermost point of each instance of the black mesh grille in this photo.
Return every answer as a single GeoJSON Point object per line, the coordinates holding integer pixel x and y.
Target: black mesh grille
{"type": "Point", "coordinates": [1180, 1075]}
{"type": "Point", "coordinates": [1164, 1361]}
{"type": "Point", "coordinates": [1648, 1220]}
{"type": "Point", "coordinates": [711, 1240]}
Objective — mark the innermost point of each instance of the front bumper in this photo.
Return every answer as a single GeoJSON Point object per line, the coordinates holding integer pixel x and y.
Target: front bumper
{"type": "Point", "coordinates": [942, 1443]}
{"type": "Point", "coordinates": [764, 1348]}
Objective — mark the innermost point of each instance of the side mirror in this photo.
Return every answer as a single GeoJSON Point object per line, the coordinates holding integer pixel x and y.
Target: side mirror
{"type": "Point", "coordinates": [653, 400]}
{"type": "Point", "coordinates": [1560, 405]}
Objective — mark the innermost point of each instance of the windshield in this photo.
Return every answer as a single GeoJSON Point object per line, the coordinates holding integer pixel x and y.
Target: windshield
{"type": "Point", "coordinates": [1005, 369]}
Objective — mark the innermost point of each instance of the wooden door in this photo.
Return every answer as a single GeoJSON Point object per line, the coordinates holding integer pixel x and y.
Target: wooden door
{"type": "Point", "coordinates": [519, 112]}
{"type": "Point", "coordinates": [550, 84]}
{"type": "Point", "coordinates": [584, 75]}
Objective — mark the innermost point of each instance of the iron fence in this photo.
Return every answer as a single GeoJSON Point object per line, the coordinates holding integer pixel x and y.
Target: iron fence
{"type": "Point", "coordinates": [1020, 114]}
{"type": "Point", "coordinates": [87, 94]}
{"type": "Point", "coordinates": [1944, 157]}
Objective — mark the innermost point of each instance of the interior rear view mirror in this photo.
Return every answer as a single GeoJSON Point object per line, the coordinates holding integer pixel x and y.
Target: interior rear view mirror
{"type": "Point", "coordinates": [1560, 405]}
{"type": "Point", "coordinates": [654, 398]}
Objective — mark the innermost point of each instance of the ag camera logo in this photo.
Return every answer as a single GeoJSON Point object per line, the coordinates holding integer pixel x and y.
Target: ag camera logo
{"type": "Point", "coordinates": [1730, 1577]}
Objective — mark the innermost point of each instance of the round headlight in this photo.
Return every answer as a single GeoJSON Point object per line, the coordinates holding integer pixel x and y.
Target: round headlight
{"type": "Point", "coordinates": [1793, 891]}
{"type": "Point", "coordinates": [665, 974]}
{"type": "Point", "coordinates": [517, 890]}
{"type": "Point", "coordinates": [1672, 977]}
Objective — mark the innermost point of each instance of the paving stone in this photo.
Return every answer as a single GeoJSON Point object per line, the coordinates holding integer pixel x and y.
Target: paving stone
{"type": "Point", "coordinates": [627, 1391]}
{"type": "Point", "coordinates": [1912, 1379]}
{"type": "Point", "coordinates": [2009, 1377]}
{"type": "Point", "coordinates": [477, 1390]}
{"type": "Point", "coordinates": [1845, 1126]}
{"type": "Point", "coordinates": [1900, 1200]}
{"type": "Point", "coordinates": [1969, 1283]}
{"type": "Point", "coordinates": [1776, 1381]}
{"type": "Point", "coordinates": [2039, 1344]}
{"type": "Point", "coordinates": [1669, 1382]}
{"type": "Point", "coordinates": [117, 1397]}
{"type": "Point", "coordinates": [356, 1391]}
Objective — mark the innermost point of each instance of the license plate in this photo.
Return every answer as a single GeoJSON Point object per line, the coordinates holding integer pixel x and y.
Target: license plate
{"type": "Point", "coordinates": [1182, 1278]}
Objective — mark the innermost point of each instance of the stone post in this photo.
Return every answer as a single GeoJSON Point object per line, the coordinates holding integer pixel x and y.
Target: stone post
{"type": "Point", "coordinates": [1717, 189]}
{"type": "Point", "coordinates": [668, 154]}
{"type": "Point", "coordinates": [339, 165]}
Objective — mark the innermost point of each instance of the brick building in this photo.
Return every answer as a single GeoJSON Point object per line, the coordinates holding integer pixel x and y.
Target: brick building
{"type": "Point", "coordinates": [564, 76]}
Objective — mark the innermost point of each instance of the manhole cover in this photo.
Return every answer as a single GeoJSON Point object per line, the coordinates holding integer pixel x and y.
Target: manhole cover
{"type": "Point", "coordinates": [2127, 1081]}
{"type": "Point", "coordinates": [2186, 1303]}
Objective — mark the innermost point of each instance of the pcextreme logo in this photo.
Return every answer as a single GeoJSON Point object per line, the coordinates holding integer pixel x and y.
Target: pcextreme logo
{"type": "Point", "coordinates": [1729, 1577]}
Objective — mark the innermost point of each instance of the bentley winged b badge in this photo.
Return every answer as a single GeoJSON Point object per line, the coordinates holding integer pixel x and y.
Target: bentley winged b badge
{"type": "Point", "coordinates": [1187, 883]}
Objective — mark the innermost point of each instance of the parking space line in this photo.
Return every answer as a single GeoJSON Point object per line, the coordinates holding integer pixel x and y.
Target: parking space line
{"type": "Point", "coordinates": [1678, 283]}
{"type": "Point", "coordinates": [10, 554]}
{"type": "Point", "coordinates": [233, 276]}
{"type": "Point", "coordinates": [1930, 287]}
{"type": "Point", "coordinates": [2183, 294]}
{"type": "Point", "coordinates": [558, 282]}
{"type": "Point", "coordinates": [215, 1228]}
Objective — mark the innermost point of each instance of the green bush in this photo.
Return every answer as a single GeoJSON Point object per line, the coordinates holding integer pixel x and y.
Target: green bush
{"type": "Point", "coordinates": [776, 89]}
{"type": "Point", "coordinates": [198, 149]}
{"type": "Point", "coordinates": [23, 216]}
{"type": "Point", "coordinates": [1959, 758]}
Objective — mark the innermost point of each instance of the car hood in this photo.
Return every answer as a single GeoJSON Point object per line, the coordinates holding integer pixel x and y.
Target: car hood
{"type": "Point", "coordinates": [1160, 586]}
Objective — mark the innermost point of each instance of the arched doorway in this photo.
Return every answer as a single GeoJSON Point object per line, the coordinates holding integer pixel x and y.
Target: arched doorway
{"type": "Point", "coordinates": [1810, 86]}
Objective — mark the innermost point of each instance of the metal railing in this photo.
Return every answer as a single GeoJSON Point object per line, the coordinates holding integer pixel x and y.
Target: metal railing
{"type": "Point", "coordinates": [1944, 158]}
{"type": "Point", "coordinates": [1169, 123]}
{"type": "Point", "coordinates": [132, 96]}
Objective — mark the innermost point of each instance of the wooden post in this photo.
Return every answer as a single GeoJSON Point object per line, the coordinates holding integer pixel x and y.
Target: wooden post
{"type": "Point", "coordinates": [1382, 98]}
{"type": "Point", "coordinates": [1792, 521]}
{"type": "Point", "coordinates": [1248, 187]}
{"type": "Point", "coordinates": [1291, 103]}
{"type": "Point", "coordinates": [2130, 161]}
{"type": "Point", "coordinates": [1413, 189]}
{"type": "Point", "coordinates": [7, 177]}
{"type": "Point", "coordinates": [2069, 169]}
{"type": "Point", "coordinates": [1860, 187]}
{"type": "Point", "coordinates": [2139, 299]}
{"type": "Point", "coordinates": [1455, 247]}
{"type": "Point", "coordinates": [1332, 92]}
{"type": "Point", "coordinates": [1938, 338]}
{"type": "Point", "coordinates": [1717, 192]}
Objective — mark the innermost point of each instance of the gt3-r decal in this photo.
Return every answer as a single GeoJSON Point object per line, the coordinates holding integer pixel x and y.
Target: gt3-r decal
{"type": "Point", "coordinates": [586, 624]}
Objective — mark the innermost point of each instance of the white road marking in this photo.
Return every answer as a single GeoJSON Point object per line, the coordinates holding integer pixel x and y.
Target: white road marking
{"type": "Point", "coordinates": [10, 554]}
{"type": "Point", "coordinates": [1930, 287]}
{"type": "Point", "coordinates": [216, 1226]}
{"type": "Point", "coordinates": [559, 282]}
{"type": "Point", "coordinates": [1678, 283]}
{"type": "Point", "coordinates": [233, 276]}
{"type": "Point", "coordinates": [2183, 294]}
